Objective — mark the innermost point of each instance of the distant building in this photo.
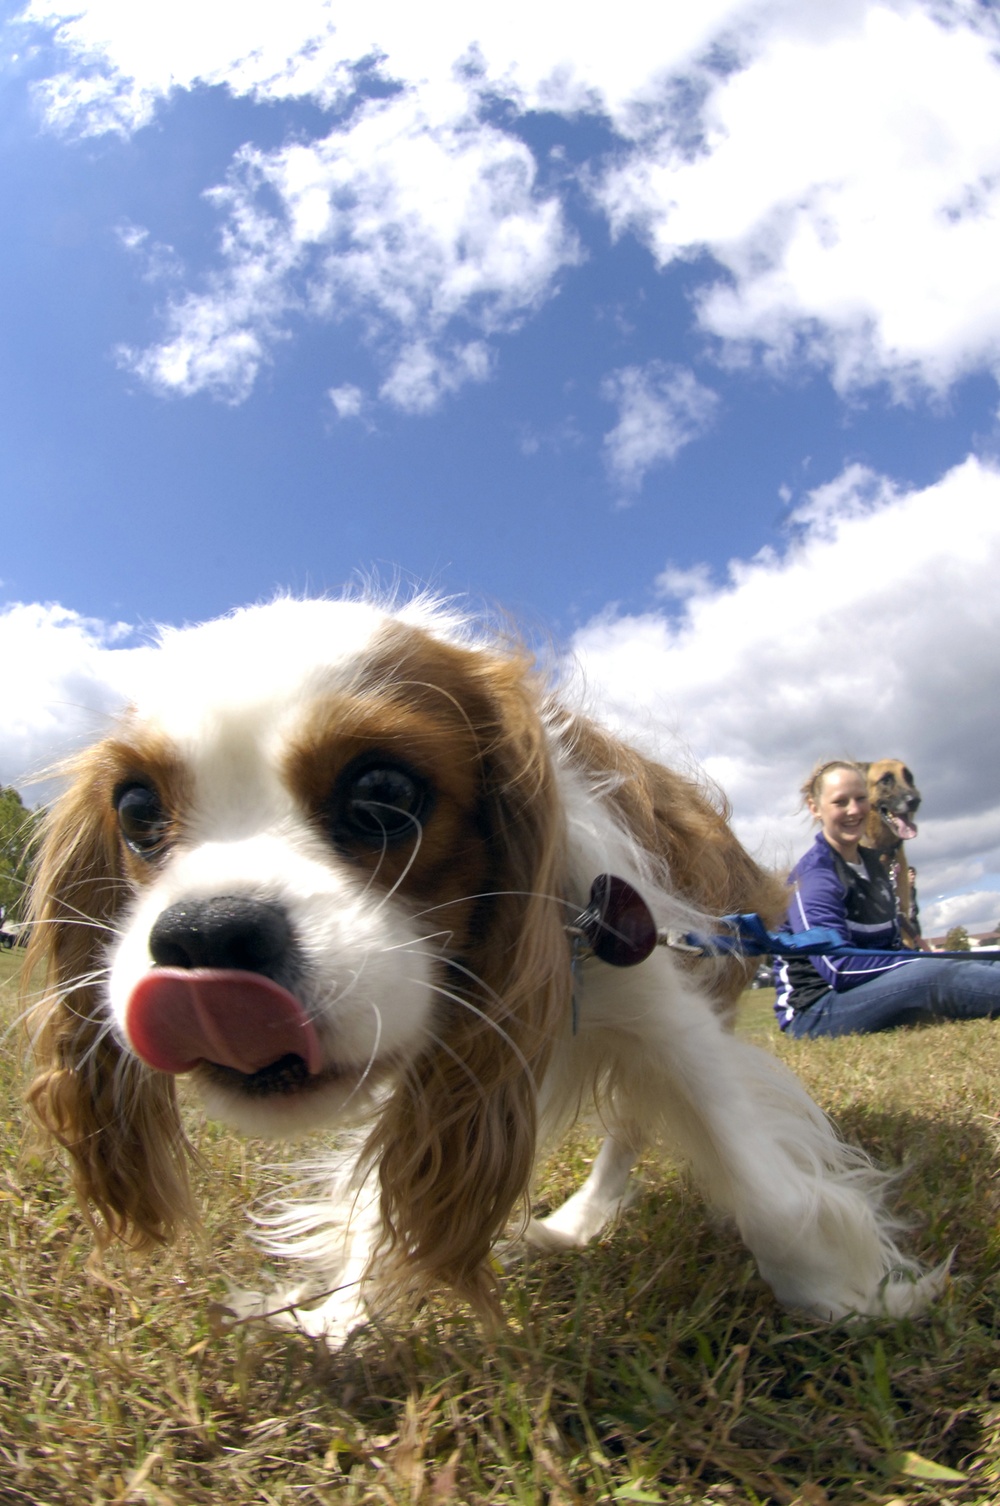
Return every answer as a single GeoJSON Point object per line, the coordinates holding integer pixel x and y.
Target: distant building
{"type": "Point", "coordinates": [989, 939]}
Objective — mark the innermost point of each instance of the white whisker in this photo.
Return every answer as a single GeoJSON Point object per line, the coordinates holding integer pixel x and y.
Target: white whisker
{"type": "Point", "coordinates": [43, 1003]}
{"type": "Point", "coordinates": [526, 894]}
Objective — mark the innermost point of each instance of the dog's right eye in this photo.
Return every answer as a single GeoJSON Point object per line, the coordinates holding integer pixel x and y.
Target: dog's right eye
{"type": "Point", "coordinates": [141, 818]}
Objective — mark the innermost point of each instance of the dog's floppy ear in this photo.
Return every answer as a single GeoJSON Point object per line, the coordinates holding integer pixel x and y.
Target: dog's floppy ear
{"type": "Point", "coordinates": [456, 1145]}
{"type": "Point", "coordinates": [117, 1118]}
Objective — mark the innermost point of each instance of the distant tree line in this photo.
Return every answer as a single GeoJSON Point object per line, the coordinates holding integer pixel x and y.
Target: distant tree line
{"type": "Point", "coordinates": [18, 831]}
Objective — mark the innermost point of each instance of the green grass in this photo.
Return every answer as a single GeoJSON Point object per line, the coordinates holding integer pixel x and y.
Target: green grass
{"type": "Point", "coordinates": [655, 1367]}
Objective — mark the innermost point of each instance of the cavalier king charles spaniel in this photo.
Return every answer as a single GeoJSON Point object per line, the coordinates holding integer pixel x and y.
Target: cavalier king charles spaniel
{"type": "Point", "coordinates": [329, 864]}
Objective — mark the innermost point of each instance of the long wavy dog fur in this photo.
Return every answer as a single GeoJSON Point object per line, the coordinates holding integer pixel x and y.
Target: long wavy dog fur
{"type": "Point", "coordinates": [325, 864]}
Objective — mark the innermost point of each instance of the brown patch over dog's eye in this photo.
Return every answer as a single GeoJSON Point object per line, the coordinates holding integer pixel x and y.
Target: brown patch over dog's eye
{"type": "Point", "coordinates": [378, 801]}
{"type": "Point", "coordinates": [141, 818]}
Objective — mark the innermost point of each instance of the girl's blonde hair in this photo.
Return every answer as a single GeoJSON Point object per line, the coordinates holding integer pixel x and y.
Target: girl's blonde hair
{"type": "Point", "coordinates": [810, 791]}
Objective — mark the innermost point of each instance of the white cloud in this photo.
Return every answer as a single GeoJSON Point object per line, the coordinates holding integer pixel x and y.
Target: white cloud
{"type": "Point", "coordinates": [158, 261]}
{"type": "Point", "coordinates": [677, 584]}
{"type": "Point", "coordinates": [348, 400]}
{"type": "Point", "coordinates": [839, 164]}
{"type": "Point", "coordinates": [120, 58]}
{"type": "Point", "coordinates": [661, 408]}
{"type": "Point", "coordinates": [60, 669]}
{"type": "Point", "coordinates": [978, 912]}
{"type": "Point", "coordinates": [422, 227]}
{"type": "Point", "coordinates": [875, 634]}
{"type": "Point", "coordinates": [422, 374]}
{"type": "Point", "coordinates": [849, 184]}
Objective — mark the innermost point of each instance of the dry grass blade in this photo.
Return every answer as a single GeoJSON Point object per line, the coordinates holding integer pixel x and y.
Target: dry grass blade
{"type": "Point", "coordinates": [654, 1368]}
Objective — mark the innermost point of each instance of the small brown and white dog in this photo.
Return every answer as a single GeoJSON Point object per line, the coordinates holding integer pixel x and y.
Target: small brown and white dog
{"type": "Point", "coordinates": [325, 865]}
{"type": "Point", "coordinates": [895, 801]}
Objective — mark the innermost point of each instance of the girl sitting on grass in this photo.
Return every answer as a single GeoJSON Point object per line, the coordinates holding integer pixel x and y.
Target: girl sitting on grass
{"type": "Point", "coordinates": [841, 885]}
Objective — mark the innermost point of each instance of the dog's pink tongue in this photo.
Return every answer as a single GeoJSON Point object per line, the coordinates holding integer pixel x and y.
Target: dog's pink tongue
{"type": "Point", "coordinates": [177, 1017]}
{"type": "Point", "coordinates": [905, 830]}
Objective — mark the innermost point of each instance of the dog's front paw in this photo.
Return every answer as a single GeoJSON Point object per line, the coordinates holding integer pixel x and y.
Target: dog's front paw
{"type": "Point", "coordinates": [580, 1219]}
{"type": "Point", "coordinates": [331, 1316]}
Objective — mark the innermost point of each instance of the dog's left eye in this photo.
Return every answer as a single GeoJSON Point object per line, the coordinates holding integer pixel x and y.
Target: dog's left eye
{"type": "Point", "coordinates": [141, 817]}
{"type": "Point", "coordinates": [378, 804]}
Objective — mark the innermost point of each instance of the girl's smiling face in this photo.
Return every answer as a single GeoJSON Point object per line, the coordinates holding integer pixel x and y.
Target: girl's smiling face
{"type": "Point", "coordinates": [841, 807]}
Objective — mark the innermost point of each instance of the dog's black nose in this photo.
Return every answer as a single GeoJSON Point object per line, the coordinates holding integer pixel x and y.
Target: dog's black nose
{"type": "Point", "coordinates": [228, 930]}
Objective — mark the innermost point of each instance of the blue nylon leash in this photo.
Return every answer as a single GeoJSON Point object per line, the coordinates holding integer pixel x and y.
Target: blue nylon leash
{"type": "Point", "coordinates": [747, 936]}
{"type": "Point", "coordinates": [618, 927]}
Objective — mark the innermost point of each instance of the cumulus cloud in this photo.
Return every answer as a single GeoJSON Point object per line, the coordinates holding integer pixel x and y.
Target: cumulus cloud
{"type": "Point", "coordinates": [159, 262]}
{"type": "Point", "coordinates": [348, 400]}
{"type": "Point", "coordinates": [978, 912]}
{"type": "Point", "coordinates": [661, 408]}
{"type": "Point", "coordinates": [838, 167]}
{"type": "Point", "coordinates": [846, 181]}
{"type": "Point", "coordinates": [875, 633]}
{"type": "Point", "coordinates": [420, 226]}
{"type": "Point", "coordinates": [674, 582]}
{"type": "Point", "coordinates": [64, 673]}
{"type": "Point", "coordinates": [422, 374]}
{"type": "Point", "coordinates": [120, 60]}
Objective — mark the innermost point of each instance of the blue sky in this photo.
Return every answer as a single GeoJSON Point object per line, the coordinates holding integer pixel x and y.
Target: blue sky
{"type": "Point", "coordinates": [680, 342]}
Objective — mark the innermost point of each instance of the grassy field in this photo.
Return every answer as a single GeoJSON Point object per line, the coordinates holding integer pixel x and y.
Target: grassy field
{"type": "Point", "coordinates": [656, 1367]}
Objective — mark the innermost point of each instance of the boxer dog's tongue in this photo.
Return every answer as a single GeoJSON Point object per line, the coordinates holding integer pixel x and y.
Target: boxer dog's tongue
{"type": "Point", "coordinates": [177, 1017]}
{"type": "Point", "coordinates": [905, 830]}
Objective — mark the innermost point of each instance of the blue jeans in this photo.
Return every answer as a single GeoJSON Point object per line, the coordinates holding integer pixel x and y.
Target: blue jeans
{"type": "Point", "coordinates": [918, 994]}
